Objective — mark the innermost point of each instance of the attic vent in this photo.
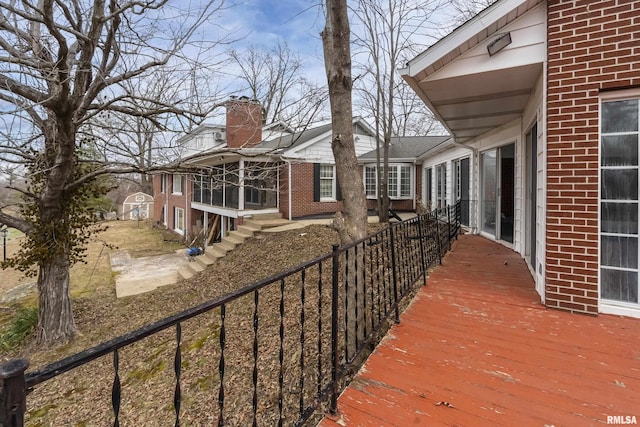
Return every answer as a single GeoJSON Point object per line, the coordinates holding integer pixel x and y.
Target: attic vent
{"type": "Point", "coordinates": [218, 136]}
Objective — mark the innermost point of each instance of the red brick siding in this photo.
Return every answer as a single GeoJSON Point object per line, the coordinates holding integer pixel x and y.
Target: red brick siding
{"type": "Point", "coordinates": [302, 194]}
{"type": "Point", "coordinates": [592, 45]}
{"type": "Point", "coordinates": [174, 200]}
{"type": "Point", "coordinates": [159, 199]}
{"type": "Point", "coordinates": [243, 123]}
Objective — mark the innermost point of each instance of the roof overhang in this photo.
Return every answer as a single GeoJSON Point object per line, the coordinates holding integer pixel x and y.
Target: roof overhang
{"type": "Point", "coordinates": [472, 91]}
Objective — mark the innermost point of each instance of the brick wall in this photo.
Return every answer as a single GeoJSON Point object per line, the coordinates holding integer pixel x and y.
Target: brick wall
{"type": "Point", "coordinates": [159, 199]}
{"type": "Point", "coordinates": [174, 200]}
{"type": "Point", "coordinates": [592, 46]}
{"type": "Point", "coordinates": [243, 122]}
{"type": "Point", "coordinates": [302, 193]}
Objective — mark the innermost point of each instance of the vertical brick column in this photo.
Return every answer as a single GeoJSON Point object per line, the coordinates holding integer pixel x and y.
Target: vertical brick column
{"type": "Point", "coordinates": [592, 46]}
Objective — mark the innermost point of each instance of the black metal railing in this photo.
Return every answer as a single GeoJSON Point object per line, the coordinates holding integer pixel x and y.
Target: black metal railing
{"type": "Point", "coordinates": [277, 352]}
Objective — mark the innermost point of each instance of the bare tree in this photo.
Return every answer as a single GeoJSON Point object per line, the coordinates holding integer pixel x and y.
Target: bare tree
{"type": "Point", "coordinates": [384, 31]}
{"type": "Point", "coordinates": [467, 9]}
{"type": "Point", "coordinates": [275, 78]}
{"type": "Point", "coordinates": [62, 64]}
{"type": "Point", "coordinates": [351, 224]}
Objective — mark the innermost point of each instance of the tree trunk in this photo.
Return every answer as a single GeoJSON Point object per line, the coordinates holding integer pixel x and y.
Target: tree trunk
{"type": "Point", "coordinates": [55, 316]}
{"type": "Point", "coordinates": [352, 223]}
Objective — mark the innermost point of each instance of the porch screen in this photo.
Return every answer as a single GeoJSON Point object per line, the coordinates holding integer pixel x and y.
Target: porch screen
{"type": "Point", "coordinates": [619, 201]}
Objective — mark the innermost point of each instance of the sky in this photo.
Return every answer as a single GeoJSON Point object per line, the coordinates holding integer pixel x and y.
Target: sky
{"type": "Point", "coordinates": [264, 23]}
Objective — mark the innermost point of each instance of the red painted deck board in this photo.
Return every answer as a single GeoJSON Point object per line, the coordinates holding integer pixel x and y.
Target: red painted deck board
{"type": "Point", "coordinates": [478, 338]}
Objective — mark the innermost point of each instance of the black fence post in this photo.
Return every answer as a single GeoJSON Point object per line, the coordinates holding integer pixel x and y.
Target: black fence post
{"type": "Point", "coordinates": [333, 409]}
{"type": "Point", "coordinates": [437, 219]}
{"type": "Point", "coordinates": [13, 395]}
{"type": "Point", "coordinates": [395, 274]}
{"type": "Point", "coordinates": [423, 262]}
{"type": "Point", "coordinates": [449, 226]}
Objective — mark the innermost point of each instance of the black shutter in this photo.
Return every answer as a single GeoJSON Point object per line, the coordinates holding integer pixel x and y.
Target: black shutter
{"type": "Point", "coordinates": [316, 182]}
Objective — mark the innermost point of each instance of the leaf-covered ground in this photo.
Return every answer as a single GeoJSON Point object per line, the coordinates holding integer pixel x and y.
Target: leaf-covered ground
{"type": "Point", "coordinates": [82, 397]}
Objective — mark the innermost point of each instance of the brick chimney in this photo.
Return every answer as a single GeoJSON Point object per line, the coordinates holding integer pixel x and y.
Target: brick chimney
{"type": "Point", "coordinates": [244, 122]}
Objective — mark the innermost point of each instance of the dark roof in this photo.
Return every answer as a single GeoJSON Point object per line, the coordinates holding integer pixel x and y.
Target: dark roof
{"type": "Point", "coordinates": [408, 147]}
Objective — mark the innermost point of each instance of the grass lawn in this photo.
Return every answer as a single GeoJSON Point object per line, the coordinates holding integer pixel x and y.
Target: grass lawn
{"type": "Point", "coordinates": [138, 238]}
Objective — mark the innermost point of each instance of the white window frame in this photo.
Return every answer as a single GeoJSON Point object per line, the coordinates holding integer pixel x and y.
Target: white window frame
{"type": "Point", "coordinates": [608, 305]}
{"type": "Point", "coordinates": [441, 185]}
{"type": "Point", "coordinates": [177, 186]}
{"type": "Point", "coordinates": [395, 173]}
{"type": "Point", "coordinates": [163, 183]}
{"type": "Point", "coordinates": [178, 219]}
{"type": "Point", "coordinates": [332, 179]}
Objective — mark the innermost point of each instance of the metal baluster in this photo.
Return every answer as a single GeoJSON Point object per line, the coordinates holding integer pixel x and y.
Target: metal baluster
{"type": "Point", "coordinates": [319, 328]}
{"type": "Point", "coordinates": [346, 305]}
{"type": "Point", "coordinates": [116, 390]}
{"type": "Point", "coordinates": [177, 367]}
{"type": "Point", "coordinates": [223, 310]}
{"type": "Point", "coordinates": [395, 277]}
{"type": "Point", "coordinates": [423, 261]}
{"type": "Point", "coordinates": [372, 282]}
{"type": "Point", "coordinates": [357, 314]}
{"type": "Point", "coordinates": [333, 408]}
{"type": "Point", "coordinates": [379, 253]}
{"type": "Point", "coordinates": [281, 355]}
{"type": "Point", "coordinates": [255, 358]}
{"type": "Point", "coordinates": [385, 274]}
{"type": "Point", "coordinates": [302, 299]}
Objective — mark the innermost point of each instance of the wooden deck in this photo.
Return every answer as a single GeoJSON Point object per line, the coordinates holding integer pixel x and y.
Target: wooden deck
{"type": "Point", "coordinates": [476, 348]}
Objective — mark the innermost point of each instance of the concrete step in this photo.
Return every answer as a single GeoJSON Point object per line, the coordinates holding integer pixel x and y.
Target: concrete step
{"type": "Point", "coordinates": [205, 260]}
{"type": "Point", "coordinates": [225, 246]}
{"type": "Point", "coordinates": [186, 272]}
{"type": "Point", "coordinates": [247, 232]}
{"type": "Point", "coordinates": [234, 238]}
{"type": "Point", "coordinates": [267, 223]}
{"type": "Point", "coordinates": [196, 266]}
{"type": "Point", "coordinates": [215, 252]}
{"type": "Point", "coordinates": [249, 227]}
{"type": "Point", "coordinates": [267, 216]}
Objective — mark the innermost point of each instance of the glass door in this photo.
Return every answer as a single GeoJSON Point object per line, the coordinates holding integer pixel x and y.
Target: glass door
{"type": "Point", "coordinates": [489, 191]}
{"type": "Point", "coordinates": [497, 192]}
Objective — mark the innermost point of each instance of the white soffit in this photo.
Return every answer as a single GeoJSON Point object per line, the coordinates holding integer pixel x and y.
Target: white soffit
{"type": "Point", "coordinates": [471, 92]}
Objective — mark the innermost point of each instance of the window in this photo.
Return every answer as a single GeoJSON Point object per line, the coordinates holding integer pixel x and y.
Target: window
{"type": "Point", "coordinates": [619, 175]}
{"type": "Point", "coordinates": [163, 183]}
{"type": "Point", "coordinates": [178, 219]}
{"type": "Point", "coordinates": [429, 196]}
{"type": "Point", "coordinates": [370, 182]}
{"type": "Point", "coordinates": [177, 184]}
{"type": "Point", "coordinates": [399, 181]}
{"type": "Point", "coordinates": [441, 185]}
{"type": "Point", "coordinates": [327, 182]}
